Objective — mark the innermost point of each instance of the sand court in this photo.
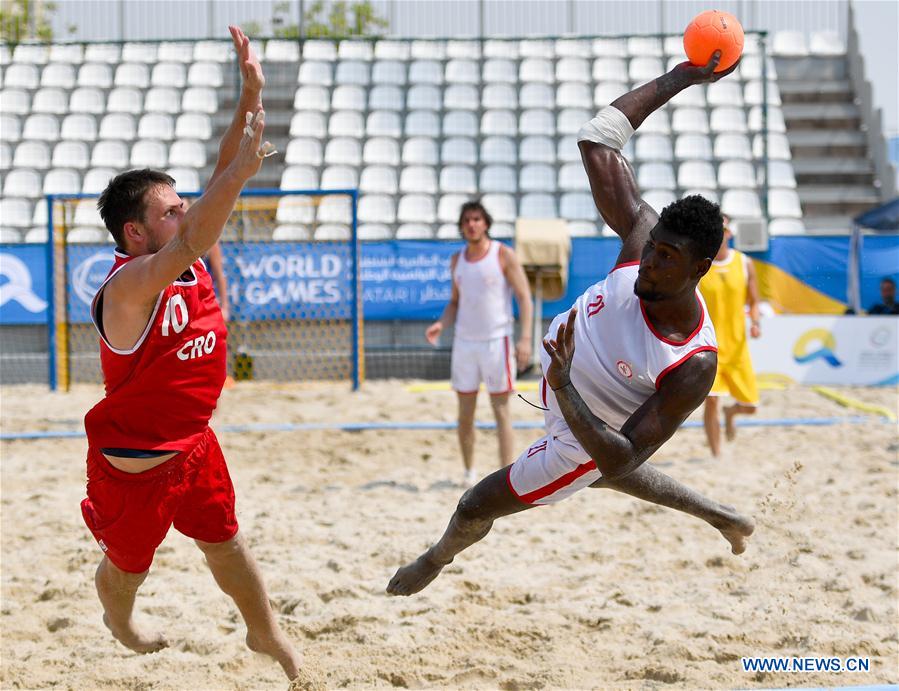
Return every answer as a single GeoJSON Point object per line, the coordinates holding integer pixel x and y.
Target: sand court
{"type": "Point", "coordinates": [599, 591]}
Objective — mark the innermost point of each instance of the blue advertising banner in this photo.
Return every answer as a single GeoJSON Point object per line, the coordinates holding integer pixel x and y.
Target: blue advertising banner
{"type": "Point", "coordinates": [23, 284]}
{"type": "Point", "coordinates": [405, 280]}
{"type": "Point", "coordinates": [288, 280]}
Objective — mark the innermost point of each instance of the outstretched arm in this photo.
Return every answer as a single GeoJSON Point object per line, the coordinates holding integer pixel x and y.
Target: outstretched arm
{"type": "Point", "coordinates": [518, 280]}
{"type": "Point", "coordinates": [619, 453]}
{"type": "Point", "coordinates": [611, 177]}
{"type": "Point", "coordinates": [252, 82]}
{"type": "Point", "coordinates": [752, 297]}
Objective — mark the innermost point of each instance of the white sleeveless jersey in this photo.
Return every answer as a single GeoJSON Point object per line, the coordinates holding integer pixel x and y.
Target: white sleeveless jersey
{"type": "Point", "coordinates": [485, 297]}
{"type": "Point", "coordinates": [619, 358]}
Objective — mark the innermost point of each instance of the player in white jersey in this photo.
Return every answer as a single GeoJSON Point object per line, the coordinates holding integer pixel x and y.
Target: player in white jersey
{"type": "Point", "coordinates": [485, 276]}
{"type": "Point", "coordinates": [626, 365]}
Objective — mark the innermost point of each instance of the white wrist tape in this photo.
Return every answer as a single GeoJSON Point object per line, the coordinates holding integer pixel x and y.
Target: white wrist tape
{"type": "Point", "coordinates": [610, 127]}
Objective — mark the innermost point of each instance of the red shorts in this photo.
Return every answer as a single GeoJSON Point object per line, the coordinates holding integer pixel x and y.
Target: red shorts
{"type": "Point", "coordinates": [129, 514]}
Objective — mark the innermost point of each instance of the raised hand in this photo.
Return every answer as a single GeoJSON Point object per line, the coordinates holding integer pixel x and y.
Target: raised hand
{"type": "Point", "coordinates": [706, 73]}
{"type": "Point", "coordinates": [250, 68]}
{"type": "Point", "coordinates": [561, 353]}
{"type": "Point", "coordinates": [251, 150]}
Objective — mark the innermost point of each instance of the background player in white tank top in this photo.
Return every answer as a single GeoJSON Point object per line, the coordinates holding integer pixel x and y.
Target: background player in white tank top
{"type": "Point", "coordinates": [485, 276]}
{"type": "Point", "coordinates": [627, 364]}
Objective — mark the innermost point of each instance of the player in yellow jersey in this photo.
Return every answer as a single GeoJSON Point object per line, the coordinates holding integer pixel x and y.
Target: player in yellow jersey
{"type": "Point", "coordinates": [728, 286]}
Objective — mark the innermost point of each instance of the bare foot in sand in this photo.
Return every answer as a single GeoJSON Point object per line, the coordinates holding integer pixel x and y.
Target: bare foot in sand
{"type": "Point", "coordinates": [277, 646]}
{"type": "Point", "coordinates": [136, 641]}
{"type": "Point", "coordinates": [736, 530]}
{"type": "Point", "coordinates": [414, 577]}
{"type": "Point", "coordinates": [730, 427]}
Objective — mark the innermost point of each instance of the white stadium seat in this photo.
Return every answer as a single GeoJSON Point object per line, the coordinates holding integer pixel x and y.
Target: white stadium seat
{"type": "Point", "coordinates": [15, 101]}
{"type": "Point", "coordinates": [16, 213]}
{"type": "Point", "coordinates": [570, 120]}
{"type": "Point", "coordinates": [416, 208]}
{"type": "Point", "coordinates": [659, 199]}
{"type": "Point", "coordinates": [573, 177]}
{"type": "Point", "coordinates": [462, 71]}
{"type": "Point", "coordinates": [501, 71]}
{"type": "Point", "coordinates": [538, 205]}
{"type": "Point", "coordinates": [537, 177]}
{"type": "Point", "coordinates": [383, 123]}
{"type": "Point", "coordinates": [320, 50]}
{"type": "Point", "coordinates": [537, 121]}
{"type": "Point", "coordinates": [304, 151]}
{"type": "Point", "coordinates": [374, 231]}
{"type": "Point", "coordinates": [205, 74]}
{"type": "Point", "coordinates": [346, 123]}
{"type": "Point", "coordinates": [653, 147]}
{"type": "Point", "coordinates": [386, 97]}
{"type": "Point", "coordinates": [96, 180]}
{"type": "Point", "coordinates": [780, 174]}
{"type": "Point", "coordinates": [62, 181]}
{"type": "Point", "coordinates": [331, 231]}
{"type": "Point", "coordinates": [392, 50]}
{"type": "Point", "coordinates": [460, 150]}
{"type": "Point", "coordinates": [156, 126]}
{"type": "Point", "coordinates": [428, 50]}
{"type": "Point", "coordinates": [125, 100]}
{"type": "Point", "coordinates": [193, 126]}
{"type": "Point", "coordinates": [425, 72]}
{"type": "Point", "coordinates": [499, 122]}
{"type": "Point", "coordinates": [418, 179]}
{"type": "Point", "coordinates": [449, 206]}
{"type": "Point", "coordinates": [110, 53]}
{"type": "Point", "coordinates": [741, 204]}
{"type": "Point", "coordinates": [355, 50]}
{"type": "Point", "coordinates": [697, 146]}
{"type": "Point", "coordinates": [315, 73]}
{"type": "Point", "coordinates": [422, 123]}
{"type": "Point", "coordinates": [352, 72]}
{"type": "Point", "coordinates": [198, 99]}
{"type": "Point", "coordinates": [786, 226]}
{"type": "Point", "coordinates": [538, 150]}
{"type": "Point", "coordinates": [110, 154]}
{"type": "Point", "coordinates": [460, 123]}
{"type": "Point", "coordinates": [736, 174]}
{"type": "Point", "coordinates": [536, 48]}
{"type": "Point", "coordinates": [60, 75]}
{"type": "Point", "coordinates": [608, 91]}
{"type": "Point", "coordinates": [343, 151]}
{"type": "Point", "coordinates": [388, 72]}
{"type": "Point", "coordinates": [463, 49]}
{"type": "Point", "coordinates": [689, 120]}
{"type": "Point", "coordinates": [458, 179]}
{"type": "Point", "coordinates": [291, 233]}
{"type": "Point", "coordinates": [827, 43]}
{"type": "Point", "coordinates": [149, 154]}
{"type": "Point", "coordinates": [724, 119]}
{"type": "Point", "coordinates": [572, 48]}
{"type": "Point", "coordinates": [572, 69]}
{"type": "Point", "coordinates": [376, 208]}
{"type": "Point", "coordinates": [282, 51]}
{"type": "Point", "coordinates": [42, 127]}
{"type": "Point", "coordinates": [133, 74]}
{"type": "Point", "coordinates": [140, 52]}
{"type": "Point", "coordinates": [778, 146]}
{"type": "Point", "coordinates": [169, 74]}
{"type": "Point", "coordinates": [186, 179]}
{"type": "Point", "coordinates": [578, 206]}
{"type": "Point", "coordinates": [381, 151]}
{"type": "Point", "coordinates": [501, 206]}
{"type": "Point", "coordinates": [32, 155]}
{"type": "Point", "coordinates": [295, 210]}
{"type": "Point", "coordinates": [536, 70]}
{"type": "Point", "coordinates": [784, 203]}
{"type": "Point", "coordinates": [574, 95]}
{"type": "Point", "coordinates": [424, 96]}
{"type": "Point", "coordinates": [378, 179]}
{"type": "Point", "coordinates": [537, 95]}
{"type": "Point", "coordinates": [71, 155]}
{"type": "Point", "coordinates": [420, 151]}
{"type": "Point", "coordinates": [188, 153]}
{"type": "Point", "coordinates": [462, 96]}
{"type": "Point", "coordinates": [495, 178]}
{"type": "Point", "coordinates": [696, 174]}
{"type": "Point", "coordinates": [22, 76]}
{"type": "Point", "coordinates": [87, 100]}
{"type": "Point", "coordinates": [118, 126]}
{"type": "Point", "coordinates": [414, 231]}
{"type": "Point", "coordinates": [11, 127]}
{"type": "Point", "coordinates": [724, 93]}
{"type": "Point", "coordinates": [732, 146]}
{"type": "Point", "coordinates": [312, 98]}
{"type": "Point", "coordinates": [299, 178]}
{"type": "Point", "coordinates": [789, 44]}
{"type": "Point", "coordinates": [339, 178]}
{"type": "Point", "coordinates": [499, 150]}
{"type": "Point", "coordinates": [159, 99]}
{"type": "Point", "coordinates": [213, 51]}
{"type": "Point", "coordinates": [348, 97]}
{"type": "Point", "coordinates": [656, 176]}
{"type": "Point", "coordinates": [98, 75]}
{"type": "Point", "coordinates": [334, 209]}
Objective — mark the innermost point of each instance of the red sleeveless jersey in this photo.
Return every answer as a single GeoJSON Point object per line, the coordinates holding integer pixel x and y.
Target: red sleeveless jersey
{"type": "Point", "coordinates": [161, 393]}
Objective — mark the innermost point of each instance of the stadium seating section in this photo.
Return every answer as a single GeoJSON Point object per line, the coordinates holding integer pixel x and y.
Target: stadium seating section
{"type": "Point", "coordinates": [417, 126]}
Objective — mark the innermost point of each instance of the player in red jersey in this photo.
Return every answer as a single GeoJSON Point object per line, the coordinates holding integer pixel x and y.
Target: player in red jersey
{"type": "Point", "coordinates": [153, 461]}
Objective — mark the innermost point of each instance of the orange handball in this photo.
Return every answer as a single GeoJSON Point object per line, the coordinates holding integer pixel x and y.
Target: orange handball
{"type": "Point", "coordinates": [710, 31]}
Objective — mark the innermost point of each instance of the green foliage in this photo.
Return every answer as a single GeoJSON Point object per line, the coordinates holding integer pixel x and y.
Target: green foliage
{"type": "Point", "coordinates": [363, 21]}
{"type": "Point", "coordinates": [21, 20]}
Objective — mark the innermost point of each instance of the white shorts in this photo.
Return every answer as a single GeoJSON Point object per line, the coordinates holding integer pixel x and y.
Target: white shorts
{"type": "Point", "coordinates": [491, 362]}
{"type": "Point", "coordinates": [552, 469]}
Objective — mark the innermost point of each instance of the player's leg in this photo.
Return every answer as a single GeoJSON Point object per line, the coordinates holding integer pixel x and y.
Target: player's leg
{"type": "Point", "coordinates": [744, 389]}
{"type": "Point", "coordinates": [117, 590]}
{"type": "Point", "coordinates": [652, 485]}
{"type": "Point", "coordinates": [488, 500]}
{"type": "Point", "coordinates": [467, 404]}
{"type": "Point", "coordinates": [712, 424]}
{"type": "Point", "coordinates": [129, 516]}
{"type": "Point", "coordinates": [237, 574]}
{"type": "Point", "coordinates": [503, 415]}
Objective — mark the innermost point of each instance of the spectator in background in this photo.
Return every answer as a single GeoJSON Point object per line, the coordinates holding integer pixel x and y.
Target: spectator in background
{"type": "Point", "coordinates": [727, 288]}
{"type": "Point", "coordinates": [887, 304]}
{"type": "Point", "coordinates": [486, 274]}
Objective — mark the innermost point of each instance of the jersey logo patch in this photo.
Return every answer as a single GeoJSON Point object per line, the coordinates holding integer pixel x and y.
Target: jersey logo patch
{"type": "Point", "coordinates": [624, 369]}
{"type": "Point", "coordinates": [593, 308]}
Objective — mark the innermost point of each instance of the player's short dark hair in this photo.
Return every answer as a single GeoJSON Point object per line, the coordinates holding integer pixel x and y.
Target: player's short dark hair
{"type": "Point", "coordinates": [125, 199]}
{"type": "Point", "coordinates": [888, 279]}
{"type": "Point", "coordinates": [698, 220]}
{"type": "Point", "coordinates": [475, 205]}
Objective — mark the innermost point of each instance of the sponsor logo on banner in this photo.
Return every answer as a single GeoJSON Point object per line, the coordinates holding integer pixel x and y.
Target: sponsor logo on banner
{"type": "Point", "coordinates": [89, 274]}
{"type": "Point", "coordinates": [815, 344]}
{"type": "Point", "coordinates": [18, 284]}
